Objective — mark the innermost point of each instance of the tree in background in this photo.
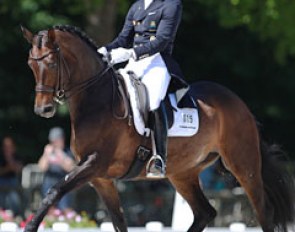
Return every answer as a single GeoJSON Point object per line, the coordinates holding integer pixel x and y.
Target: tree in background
{"type": "Point", "coordinates": [216, 44]}
{"type": "Point", "coordinates": [97, 17]}
{"type": "Point", "coordinates": [245, 45]}
{"type": "Point", "coordinates": [270, 19]}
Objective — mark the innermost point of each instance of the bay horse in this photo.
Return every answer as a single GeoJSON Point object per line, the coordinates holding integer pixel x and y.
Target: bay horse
{"type": "Point", "coordinates": [66, 65]}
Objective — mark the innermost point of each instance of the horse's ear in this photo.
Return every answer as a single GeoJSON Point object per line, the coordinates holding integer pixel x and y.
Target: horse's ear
{"type": "Point", "coordinates": [27, 34]}
{"type": "Point", "coordinates": [51, 35]}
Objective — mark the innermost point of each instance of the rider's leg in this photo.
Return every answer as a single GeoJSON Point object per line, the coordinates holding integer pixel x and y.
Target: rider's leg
{"type": "Point", "coordinates": [157, 167]}
{"type": "Point", "coordinates": [156, 79]}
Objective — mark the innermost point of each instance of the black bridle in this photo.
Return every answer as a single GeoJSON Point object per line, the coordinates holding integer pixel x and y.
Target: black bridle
{"type": "Point", "coordinates": [61, 93]}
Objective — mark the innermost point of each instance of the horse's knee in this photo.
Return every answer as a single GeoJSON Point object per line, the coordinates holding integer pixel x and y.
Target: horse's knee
{"type": "Point", "coordinates": [84, 171]}
{"type": "Point", "coordinates": [91, 160]}
{"type": "Point", "coordinates": [51, 196]}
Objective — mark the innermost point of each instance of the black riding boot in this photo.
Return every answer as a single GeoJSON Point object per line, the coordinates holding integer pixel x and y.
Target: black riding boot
{"type": "Point", "coordinates": [157, 165]}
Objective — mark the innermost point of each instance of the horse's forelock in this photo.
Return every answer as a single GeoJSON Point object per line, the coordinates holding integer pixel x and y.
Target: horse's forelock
{"type": "Point", "coordinates": [38, 38]}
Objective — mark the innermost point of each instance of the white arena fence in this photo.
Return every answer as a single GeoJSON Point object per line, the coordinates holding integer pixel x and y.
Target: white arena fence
{"type": "Point", "coordinates": [233, 202]}
{"type": "Point", "coordinates": [12, 228]}
{"type": "Point", "coordinates": [182, 217]}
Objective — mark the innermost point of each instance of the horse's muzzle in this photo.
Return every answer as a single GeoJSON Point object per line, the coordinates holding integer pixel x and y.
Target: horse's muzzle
{"type": "Point", "coordinates": [46, 111]}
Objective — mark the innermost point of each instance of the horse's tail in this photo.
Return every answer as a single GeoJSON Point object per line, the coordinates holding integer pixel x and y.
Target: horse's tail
{"type": "Point", "coordinates": [278, 185]}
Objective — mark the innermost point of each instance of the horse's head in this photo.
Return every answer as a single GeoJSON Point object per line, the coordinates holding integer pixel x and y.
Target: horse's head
{"type": "Point", "coordinates": [65, 63]}
{"type": "Point", "coordinates": [44, 62]}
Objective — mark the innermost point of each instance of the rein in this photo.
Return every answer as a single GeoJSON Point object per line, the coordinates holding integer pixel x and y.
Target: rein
{"type": "Point", "coordinates": [61, 94]}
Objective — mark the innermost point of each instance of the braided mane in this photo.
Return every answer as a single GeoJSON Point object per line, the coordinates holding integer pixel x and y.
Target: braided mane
{"type": "Point", "coordinates": [78, 32]}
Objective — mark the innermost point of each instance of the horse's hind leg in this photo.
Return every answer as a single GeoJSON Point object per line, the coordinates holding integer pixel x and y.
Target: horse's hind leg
{"type": "Point", "coordinates": [245, 165]}
{"type": "Point", "coordinates": [109, 194]}
{"type": "Point", "coordinates": [188, 186]}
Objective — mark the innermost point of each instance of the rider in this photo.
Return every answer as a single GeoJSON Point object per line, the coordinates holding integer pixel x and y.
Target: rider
{"type": "Point", "coordinates": [147, 41]}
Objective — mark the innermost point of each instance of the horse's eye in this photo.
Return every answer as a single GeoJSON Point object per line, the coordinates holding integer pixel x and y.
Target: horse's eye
{"type": "Point", "coordinates": [52, 65]}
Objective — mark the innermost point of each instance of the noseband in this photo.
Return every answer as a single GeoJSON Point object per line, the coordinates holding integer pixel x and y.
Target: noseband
{"type": "Point", "coordinates": [61, 94]}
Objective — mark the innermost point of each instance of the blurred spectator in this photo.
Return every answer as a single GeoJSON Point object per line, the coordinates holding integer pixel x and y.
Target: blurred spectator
{"type": "Point", "coordinates": [211, 178]}
{"type": "Point", "coordinates": [217, 178]}
{"type": "Point", "coordinates": [208, 178]}
{"type": "Point", "coordinates": [56, 162]}
{"type": "Point", "coordinates": [10, 167]}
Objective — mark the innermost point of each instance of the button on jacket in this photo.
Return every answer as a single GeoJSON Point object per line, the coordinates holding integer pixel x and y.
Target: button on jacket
{"type": "Point", "coordinates": [152, 30]}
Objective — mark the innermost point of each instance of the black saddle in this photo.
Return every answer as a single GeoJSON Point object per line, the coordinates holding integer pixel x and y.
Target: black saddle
{"type": "Point", "coordinates": [142, 97]}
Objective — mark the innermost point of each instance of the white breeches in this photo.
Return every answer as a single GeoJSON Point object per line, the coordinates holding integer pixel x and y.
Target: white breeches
{"type": "Point", "coordinates": [154, 74]}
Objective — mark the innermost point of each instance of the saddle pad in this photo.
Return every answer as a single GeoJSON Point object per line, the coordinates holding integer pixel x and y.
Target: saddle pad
{"type": "Point", "coordinates": [186, 120]}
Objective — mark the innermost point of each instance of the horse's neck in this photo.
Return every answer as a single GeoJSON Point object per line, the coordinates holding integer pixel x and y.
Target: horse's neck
{"type": "Point", "coordinates": [94, 100]}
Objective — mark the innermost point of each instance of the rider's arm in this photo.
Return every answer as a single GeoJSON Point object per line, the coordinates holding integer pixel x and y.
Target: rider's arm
{"type": "Point", "coordinates": [125, 38]}
{"type": "Point", "coordinates": [166, 31]}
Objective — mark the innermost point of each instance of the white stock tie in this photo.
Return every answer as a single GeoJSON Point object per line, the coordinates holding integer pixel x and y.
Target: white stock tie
{"type": "Point", "coordinates": [147, 3]}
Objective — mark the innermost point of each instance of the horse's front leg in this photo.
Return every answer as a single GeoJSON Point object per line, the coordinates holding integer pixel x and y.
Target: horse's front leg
{"type": "Point", "coordinates": [110, 196]}
{"type": "Point", "coordinates": [80, 175]}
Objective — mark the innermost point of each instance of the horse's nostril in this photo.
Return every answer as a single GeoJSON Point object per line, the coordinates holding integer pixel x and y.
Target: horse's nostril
{"type": "Point", "coordinates": [48, 109]}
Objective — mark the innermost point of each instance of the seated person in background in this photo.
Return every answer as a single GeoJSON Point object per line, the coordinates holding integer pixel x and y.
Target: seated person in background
{"type": "Point", "coordinates": [10, 167]}
{"type": "Point", "coordinates": [56, 162]}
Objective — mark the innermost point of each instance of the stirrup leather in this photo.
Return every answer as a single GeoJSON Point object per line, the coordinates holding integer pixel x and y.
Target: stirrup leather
{"type": "Point", "coordinates": [151, 174]}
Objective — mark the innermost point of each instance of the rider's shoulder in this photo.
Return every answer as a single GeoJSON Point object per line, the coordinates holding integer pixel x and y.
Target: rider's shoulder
{"type": "Point", "coordinates": [173, 4]}
{"type": "Point", "coordinates": [136, 3]}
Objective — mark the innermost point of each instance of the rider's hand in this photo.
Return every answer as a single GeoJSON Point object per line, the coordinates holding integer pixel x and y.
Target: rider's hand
{"type": "Point", "coordinates": [121, 55]}
{"type": "Point", "coordinates": [103, 51]}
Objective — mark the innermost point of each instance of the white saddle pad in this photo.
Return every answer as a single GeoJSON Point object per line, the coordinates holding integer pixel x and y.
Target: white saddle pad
{"type": "Point", "coordinates": [186, 120]}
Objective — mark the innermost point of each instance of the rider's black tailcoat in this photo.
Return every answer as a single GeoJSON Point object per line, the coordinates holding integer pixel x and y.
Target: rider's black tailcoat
{"type": "Point", "coordinates": [151, 31]}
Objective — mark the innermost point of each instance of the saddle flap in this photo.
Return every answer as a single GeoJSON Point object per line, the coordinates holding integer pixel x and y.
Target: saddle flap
{"type": "Point", "coordinates": [142, 96]}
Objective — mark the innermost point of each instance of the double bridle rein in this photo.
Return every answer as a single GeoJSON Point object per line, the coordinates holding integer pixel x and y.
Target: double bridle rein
{"type": "Point", "coordinates": [61, 93]}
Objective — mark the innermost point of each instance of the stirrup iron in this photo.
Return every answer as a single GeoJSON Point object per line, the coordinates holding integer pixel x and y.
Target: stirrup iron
{"type": "Point", "coordinates": [151, 174]}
